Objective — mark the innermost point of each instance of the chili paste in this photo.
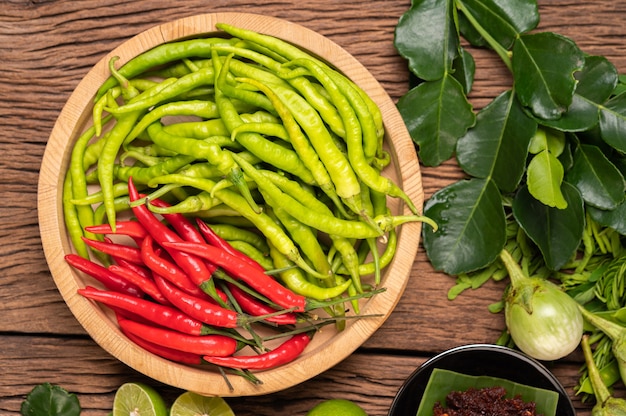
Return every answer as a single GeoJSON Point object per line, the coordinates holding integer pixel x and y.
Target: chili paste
{"type": "Point", "coordinates": [489, 401]}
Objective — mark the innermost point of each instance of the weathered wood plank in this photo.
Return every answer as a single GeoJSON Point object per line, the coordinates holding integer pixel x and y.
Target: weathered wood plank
{"type": "Point", "coordinates": [45, 49]}
{"type": "Point", "coordinates": [83, 368]}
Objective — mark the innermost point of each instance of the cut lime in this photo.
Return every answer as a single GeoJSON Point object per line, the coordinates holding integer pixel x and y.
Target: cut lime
{"type": "Point", "coordinates": [336, 407]}
{"type": "Point", "coordinates": [136, 399]}
{"type": "Point", "coordinates": [192, 404]}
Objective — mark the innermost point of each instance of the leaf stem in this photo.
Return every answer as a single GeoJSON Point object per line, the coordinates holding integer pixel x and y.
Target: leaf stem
{"type": "Point", "coordinates": [611, 329]}
{"type": "Point", "coordinates": [599, 388]}
{"type": "Point", "coordinates": [515, 271]}
{"type": "Point", "coordinates": [501, 51]}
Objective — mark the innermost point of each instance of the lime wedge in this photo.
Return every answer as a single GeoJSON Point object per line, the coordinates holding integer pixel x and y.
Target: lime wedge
{"type": "Point", "coordinates": [136, 399]}
{"type": "Point", "coordinates": [192, 404]}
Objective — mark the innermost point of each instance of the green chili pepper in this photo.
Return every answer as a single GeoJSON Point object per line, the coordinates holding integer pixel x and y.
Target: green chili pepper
{"type": "Point", "coordinates": [266, 129]}
{"type": "Point", "coordinates": [384, 259]}
{"type": "Point", "coordinates": [111, 148]}
{"type": "Point", "coordinates": [313, 95]}
{"type": "Point", "coordinates": [230, 232]}
{"type": "Point", "coordinates": [325, 223]}
{"type": "Point", "coordinates": [211, 152]}
{"type": "Point", "coordinates": [198, 129]}
{"type": "Point", "coordinates": [266, 150]}
{"type": "Point", "coordinates": [198, 108]}
{"type": "Point", "coordinates": [193, 203]}
{"type": "Point", "coordinates": [119, 189]}
{"type": "Point", "coordinates": [252, 252]}
{"type": "Point", "coordinates": [349, 259]}
{"type": "Point", "coordinates": [360, 130]}
{"type": "Point", "coordinates": [295, 280]}
{"type": "Point", "coordinates": [305, 237]}
{"type": "Point", "coordinates": [163, 54]}
{"type": "Point", "coordinates": [290, 52]}
{"type": "Point", "coordinates": [336, 167]}
{"type": "Point", "coordinates": [251, 97]}
{"type": "Point", "coordinates": [72, 223]}
{"type": "Point", "coordinates": [168, 91]}
{"type": "Point", "coordinates": [79, 180]}
{"type": "Point", "coordinates": [312, 155]}
{"type": "Point", "coordinates": [144, 174]}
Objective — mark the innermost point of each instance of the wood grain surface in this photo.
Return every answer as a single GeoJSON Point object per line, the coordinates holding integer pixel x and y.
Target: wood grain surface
{"type": "Point", "coordinates": [46, 47]}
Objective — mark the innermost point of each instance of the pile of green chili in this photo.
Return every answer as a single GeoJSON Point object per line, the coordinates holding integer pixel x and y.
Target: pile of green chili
{"type": "Point", "coordinates": [266, 143]}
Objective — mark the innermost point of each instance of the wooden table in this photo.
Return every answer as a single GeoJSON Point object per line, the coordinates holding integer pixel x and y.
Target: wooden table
{"type": "Point", "coordinates": [46, 47]}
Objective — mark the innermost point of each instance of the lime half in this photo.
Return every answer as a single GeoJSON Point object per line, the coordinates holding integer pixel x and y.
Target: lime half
{"type": "Point", "coordinates": [192, 404]}
{"type": "Point", "coordinates": [136, 399]}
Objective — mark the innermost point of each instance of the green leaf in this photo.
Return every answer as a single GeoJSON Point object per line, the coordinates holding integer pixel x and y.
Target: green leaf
{"type": "Point", "coordinates": [600, 183]}
{"type": "Point", "coordinates": [426, 37]}
{"type": "Point", "coordinates": [566, 157]}
{"type": "Point", "coordinates": [469, 32]}
{"type": "Point", "coordinates": [436, 114]}
{"type": "Point", "coordinates": [545, 176]}
{"type": "Point", "coordinates": [472, 226]}
{"type": "Point", "coordinates": [547, 139]}
{"type": "Point", "coordinates": [443, 381]}
{"type": "Point", "coordinates": [50, 400]}
{"type": "Point", "coordinates": [497, 145]}
{"type": "Point", "coordinates": [581, 115]}
{"type": "Point", "coordinates": [593, 136]}
{"type": "Point", "coordinates": [504, 19]}
{"type": "Point", "coordinates": [464, 68]}
{"type": "Point", "coordinates": [615, 218]}
{"type": "Point", "coordinates": [620, 88]}
{"type": "Point", "coordinates": [619, 161]}
{"type": "Point", "coordinates": [613, 122]}
{"type": "Point", "coordinates": [543, 72]}
{"type": "Point", "coordinates": [556, 232]}
{"type": "Point", "coordinates": [596, 82]}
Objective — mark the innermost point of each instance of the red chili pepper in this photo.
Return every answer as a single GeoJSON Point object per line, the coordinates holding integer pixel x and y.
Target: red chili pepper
{"type": "Point", "coordinates": [109, 279]}
{"type": "Point", "coordinates": [253, 306]}
{"type": "Point", "coordinates": [195, 268]}
{"type": "Point", "coordinates": [146, 285]}
{"type": "Point", "coordinates": [213, 345]}
{"type": "Point", "coordinates": [123, 251]}
{"type": "Point", "coordinates": [164, 352]}
{"type": "Point", "coordinates": [130, 228]}
{"type": "Point", "coordinates": [180, 223]}
{"type": "Point", "coordinates": [201, 309]}
{"type": "Point", "coordinates": [163, 315]}
{"type": "Point", "coordinates": [188, 232]}
{"type": "Point", "coordinates": [137, 268]}
{"type": "Point", "coordinates": [283, 354]}
{"type": "Point", "coordinates": [212, 238]}
{"type": "Point", "coordinates": [165, 268]}
{"type": "Point", "coordinates": [235, 267]}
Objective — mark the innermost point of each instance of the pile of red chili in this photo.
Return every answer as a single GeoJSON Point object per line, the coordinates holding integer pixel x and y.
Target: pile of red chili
{"type": "Point", "coordinates": [182, 292]}
{"type": "Point", "coordinates": [486, 401]}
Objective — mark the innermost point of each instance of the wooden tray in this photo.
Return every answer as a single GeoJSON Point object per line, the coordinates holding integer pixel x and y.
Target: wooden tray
{"type": "Point", "coordinates": [328, 347]}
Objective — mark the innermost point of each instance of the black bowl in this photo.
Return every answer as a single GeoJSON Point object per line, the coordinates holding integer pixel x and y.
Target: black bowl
{"type": "Point", "coordinates": [480, 360]}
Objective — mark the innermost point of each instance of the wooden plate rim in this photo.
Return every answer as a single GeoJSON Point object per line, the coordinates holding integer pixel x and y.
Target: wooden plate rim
{"type": "Point", "coordinates": [97, 322]}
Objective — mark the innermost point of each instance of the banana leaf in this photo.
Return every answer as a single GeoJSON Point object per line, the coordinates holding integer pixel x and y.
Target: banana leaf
{"type": "Point", "coordinates": [442, 382]}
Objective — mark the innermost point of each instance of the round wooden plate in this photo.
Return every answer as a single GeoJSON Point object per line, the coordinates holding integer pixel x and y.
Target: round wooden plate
{"type": "Point", "coordinates": [329, 347]}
